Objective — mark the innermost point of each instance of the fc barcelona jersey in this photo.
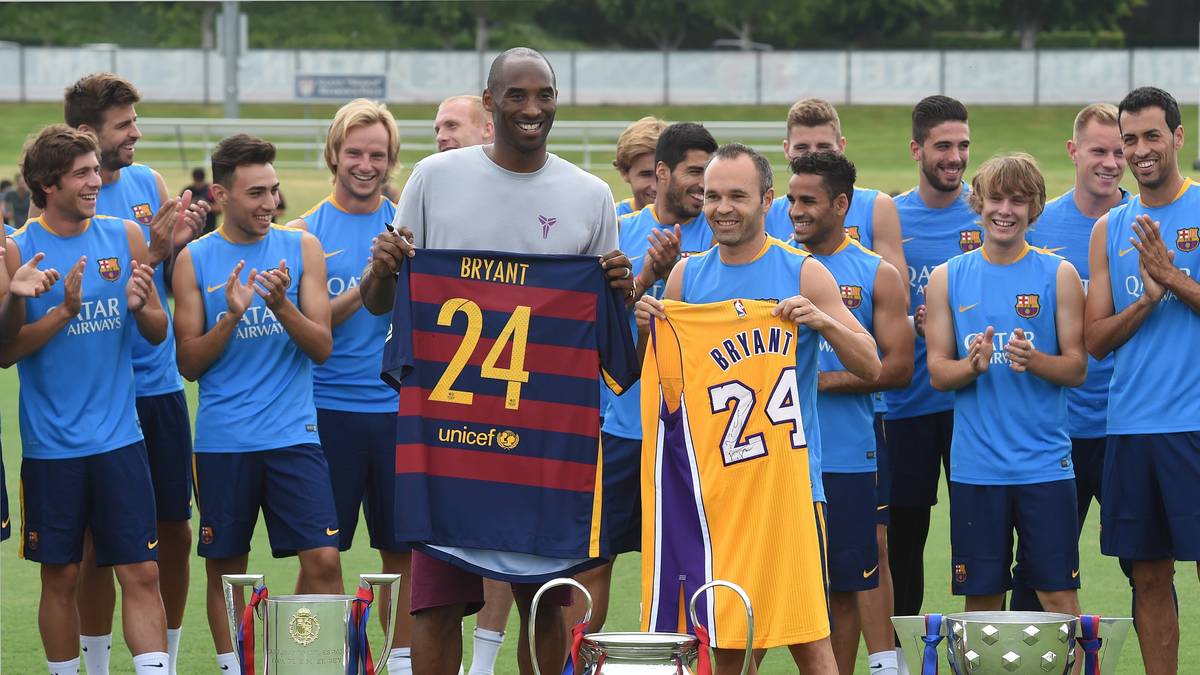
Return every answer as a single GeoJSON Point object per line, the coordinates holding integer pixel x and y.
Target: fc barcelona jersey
{"type": "Point", "coordinates": [725, 467]}
{"type": "Point", "coordinates": [496, 357]}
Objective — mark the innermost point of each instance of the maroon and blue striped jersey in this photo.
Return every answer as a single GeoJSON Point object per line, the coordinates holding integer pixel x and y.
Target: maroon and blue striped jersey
{"type": "Point", "coordinates": [496, 358]}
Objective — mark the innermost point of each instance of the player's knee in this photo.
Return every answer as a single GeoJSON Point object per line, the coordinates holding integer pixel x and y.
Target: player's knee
{"type": "Point", "coordinates": [60, 580]}
{"type": "Point", "coordinates": [136, 577]}
{"type": "Point", "coordinates": [1153, 576]}
{"type": "Point", "coordinates": [323, 563]}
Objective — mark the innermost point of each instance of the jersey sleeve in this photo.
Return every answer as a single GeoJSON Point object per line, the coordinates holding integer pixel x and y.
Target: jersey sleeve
{"type": "Point", "coordinates": [398, 361]}
{"type": "Point", "coordinates": [618, 354]}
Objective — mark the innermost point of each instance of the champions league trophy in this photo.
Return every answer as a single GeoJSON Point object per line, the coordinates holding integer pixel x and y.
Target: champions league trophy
{"type": "Point", "coordinates": [982, 643]}
{"type": "Point", "coordinates": [309, 634]}
{"type": "Point", "coordinates": [639, 653]}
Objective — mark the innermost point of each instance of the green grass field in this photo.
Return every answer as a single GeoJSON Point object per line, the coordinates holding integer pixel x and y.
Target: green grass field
{"type": "Point", "coordinates": [878, 142]}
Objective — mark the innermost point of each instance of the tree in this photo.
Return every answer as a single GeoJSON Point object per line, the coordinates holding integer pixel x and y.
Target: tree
{"type": "Point", "coordinates": [750, 19]}
{"type": "Point", "coordinates": [664, 23]}
{"type": "Point", "coordinates": [1029, 17]}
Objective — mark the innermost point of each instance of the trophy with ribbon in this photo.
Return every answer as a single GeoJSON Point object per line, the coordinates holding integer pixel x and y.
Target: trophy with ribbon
{"type": "Point", "coordinates": [639, 653]}
{"type": "Point", "coordinates": [981, 643]}
{"type": "Point", "coordinates": [308, 634]}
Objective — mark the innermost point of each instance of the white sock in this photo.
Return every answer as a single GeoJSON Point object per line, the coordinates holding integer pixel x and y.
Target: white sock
{"type": "Point", "coordinates": [400, 661]}
{"type": "Point", "coordinates": [462, 625]}
{"type": "Point", "coordinates": [901, 664]}
{"type": "Point", "coordinates": [64, 667]}
{"type": "Point", "coordinates": [173, 648]}
{"type": "Point", "coordinates": [487, 646]}
{"type": "Point", "coordinates": [96, 649]}
{"type": "Point", "coordinates": [227, 663]}
{"type": "Point", "coordinates": [882, 663]}
{"type": "Point", "coordinates": [150, 663]}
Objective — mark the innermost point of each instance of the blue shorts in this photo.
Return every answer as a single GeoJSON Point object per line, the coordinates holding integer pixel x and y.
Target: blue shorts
{"type": "Point", "coordinates": [5, 529]}
{"type": "Point", "coordinates": [168, 435]}
{"type": "Point", "coordinates": [982, 521]}
{"type": "Point", "coordinates": [360, 449]}
{"type": "Point", "coordinates": [621, 515]}
{"type": "Point", "coordinates": [883, 474]}
{"type": "Point", "coordinates": [1149, 509]}
{"type": "Point", "coordinates": [109, 493]}
{"type": "Point", "coordinates": [1087, 457]}
{"type": "Point", "coordinates": [290, 485]}
{"type": "Point", "coordinates": [853, 551]}
{"type": "Point", "coordinates": [918, 449]}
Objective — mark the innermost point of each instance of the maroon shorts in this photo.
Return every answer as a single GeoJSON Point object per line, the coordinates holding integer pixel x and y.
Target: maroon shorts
{"type": "Point", "coordinates": [436, 583]}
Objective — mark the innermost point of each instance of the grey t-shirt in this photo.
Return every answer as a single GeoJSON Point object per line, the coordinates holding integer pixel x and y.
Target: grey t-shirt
{"type": "Point", "coordinates": [462, 199]}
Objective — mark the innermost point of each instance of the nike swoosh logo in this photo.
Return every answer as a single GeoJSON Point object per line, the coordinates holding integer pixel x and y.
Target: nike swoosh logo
{"type": "Point", "coordinates": [880, 508]}
{"type": "Point", "coordinates": [906, 240]}
{"type": "Point", "coordinates": [1075, 574]}
{"type": "Point", "coordinates": [1123, 251]}
{"type": "Point", "coordinates": [965, 308]}
{"type": "Point", "coordinates": [152, 545]}
{"type": "Point", "coordinates": [868, 573]}
{"type": "Point", "coordinates": [1055, 249]}
{"type": "Point", "coordinates": [333, 253]}
{"type": "Point", "coordinates": [213, 288]}
{"type": "Point", "coordinates": [224, 667]}
{"type": "Point", "coordinates": [331, 532]}
{"type": "Point", "coordinates": [5, 523]}
{"type": "Point", "coordinates": [155, 665]}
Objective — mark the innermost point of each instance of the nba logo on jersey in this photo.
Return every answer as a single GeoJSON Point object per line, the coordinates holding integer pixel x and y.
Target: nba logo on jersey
{"type": "Point", "coordinates": [739, 308]}
{"type": "Point", "coordinates": [110, 269]}
{"type": "Point", "coordinates": [852, 232]}
{"type": "Point", "coordinates": [143, 214]}
{"type": "Point", "coordinates": [1187, 239]}
{"type": "Point", "coordinates": [1027, 305]}
{"type": "Point", "coordinates": [969, 240]}
{"type": "Point", "coordinates": [852, 296]}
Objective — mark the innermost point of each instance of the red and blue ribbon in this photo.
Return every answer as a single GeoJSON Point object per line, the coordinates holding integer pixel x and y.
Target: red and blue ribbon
{"type": "Point", "coordinates": [360, 662]}
{"type": "Point", "coordinates": [932, 638]}
{"type": "Point", "coordinates": [578, 631]}
{"type": "Point", "coordinates": [704, 658]}
{"type": "Point", "coordinates": [245, 634]}
{"type": "Point", "coordinates": [1089, 625]}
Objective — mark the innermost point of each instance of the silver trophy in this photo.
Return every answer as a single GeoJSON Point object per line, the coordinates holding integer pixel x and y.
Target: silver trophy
{"type": "Point", "coordinates": [981, 643]}
{"type": "Point", "coordinates": [309, 634]}
{"type": "Point", "coordinates": [639, 653]}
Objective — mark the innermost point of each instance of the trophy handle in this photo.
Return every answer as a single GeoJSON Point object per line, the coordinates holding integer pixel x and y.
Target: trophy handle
{"type": "Point", "coordinates": [533, 607]}
{"type": "Point", "coordinates": [392, 582]}
{"type": "Point", "coordinates": [1112, 631]}
{"type": "Point", "coordinates": [749, 615]}
{"type": "Point", "coordinates": [238, 581]}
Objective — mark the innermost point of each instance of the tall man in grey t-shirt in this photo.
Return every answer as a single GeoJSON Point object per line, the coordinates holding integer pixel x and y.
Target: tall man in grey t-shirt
{"type": "Point", "coordinates": [514, 196]}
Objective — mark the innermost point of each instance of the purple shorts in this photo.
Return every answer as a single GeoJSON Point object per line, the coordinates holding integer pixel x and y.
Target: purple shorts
{"type": "Point", "coordinates": [437, 583]}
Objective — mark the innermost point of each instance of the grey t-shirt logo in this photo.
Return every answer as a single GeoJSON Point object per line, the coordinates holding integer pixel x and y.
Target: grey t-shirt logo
{"type": "Point", "coordinates": [547, 223]}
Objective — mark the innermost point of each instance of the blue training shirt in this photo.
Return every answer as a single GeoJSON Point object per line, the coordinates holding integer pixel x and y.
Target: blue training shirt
{"type": "Point", "coordinates": [1063, 230]}
{"type": "Point", "coordinates": [624, 207]}
{"type": "Point", "coordinates": [847, 420]}
{"type": "Point", "coordinates": [930, 237]}
{"type": "Point", "coordinates": [77, 390]}
{"type": "Point", "coordinates": [349, 379]}
{"type": "Point", "coordinates": [622, 414]}
{"type": "Point", "coordinates": [1153, 387]}
{"type": "Point", "coordinates": [1010, 428]}
{"type": "Point", "coordinates": [258, 395]}
{"type": "Point", "coordinates": [774, 274]}
{"type": "Point", "coordinates": [859, 223]}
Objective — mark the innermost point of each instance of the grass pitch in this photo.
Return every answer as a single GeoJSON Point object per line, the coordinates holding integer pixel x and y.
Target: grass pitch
{"type": "Point", "coordinates": [878, 143]}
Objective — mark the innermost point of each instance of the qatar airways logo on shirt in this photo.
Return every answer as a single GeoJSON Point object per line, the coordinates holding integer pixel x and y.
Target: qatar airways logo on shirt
{"type": "Point", "coordinates": [258, 322]}
{"type": "Point", "coordinates": [1135, 288]}
{"type": "Point", "coordinates": [339, 285]}
{"type": "Point", "coordinates": [96, 316]}
{"type": "Point", "coordinates": [999, 340]}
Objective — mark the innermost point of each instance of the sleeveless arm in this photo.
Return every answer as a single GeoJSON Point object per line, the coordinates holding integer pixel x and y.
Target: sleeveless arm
{"type": "Point", "coordinates": [672, 291]}
{"type": "Point", "coordinates": [195, 349]}
{"type": "Point", "coordinates": [1069, 367]}
{"type": "Point", "coordinates": [1104, 330]}
{"type": "Point", "coordinates": [151, 319]}
{"type": "Point", "coordinates": [885, 223]}
{"type": "Point", "coordinates": [820, 307]}
{"type": "Point", "coordinates": [308, 324]}
{"type": "Point", "coordinates": [29, 337]}
{"type": "Point", "coordinates": [947, 372]}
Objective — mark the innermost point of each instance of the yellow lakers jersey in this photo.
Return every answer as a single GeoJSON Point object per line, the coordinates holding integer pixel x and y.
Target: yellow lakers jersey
{"type": "Point", "coordinates": [725, 482]}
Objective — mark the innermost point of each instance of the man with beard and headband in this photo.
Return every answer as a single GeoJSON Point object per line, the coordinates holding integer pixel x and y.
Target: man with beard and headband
{"type": "Point", "coordinates": [103, 104]}
{"type": "Point", "coordinates": [652, 238]}
{"type": "Point", "coordinates": [635, 162]}
{"type": "Point", "coordinates": [1145, 309]}
{"type": "Point", "coordinates": [522, 199]}
{"type": "Point", "coordinates": [937, 224]}
{"type": "Point", "coordinates": [356, 411]}
{"type": "Point", "coordinates": [749, 511]}
{"type": "Point", "coordinates": [461, 122]}
{"type": "Point", "coordinates": [820, 196]}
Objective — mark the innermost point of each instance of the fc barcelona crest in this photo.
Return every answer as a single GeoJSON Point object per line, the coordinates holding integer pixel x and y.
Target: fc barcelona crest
{"type": "Point", "coordinates": [143, 214]}
{"type": "Point", "coordinates": [852, 232]}
{"type": "Point", "coordinates": [852, 296]}
{"type": "Point", "coordinates": [110, 269]}
{"type": "Point", "coordinates": [969, 240]}
{"type": "Point", "coordinates": [1027, 305]}
{"type": "Point", "coordinates": [1187, 239]}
